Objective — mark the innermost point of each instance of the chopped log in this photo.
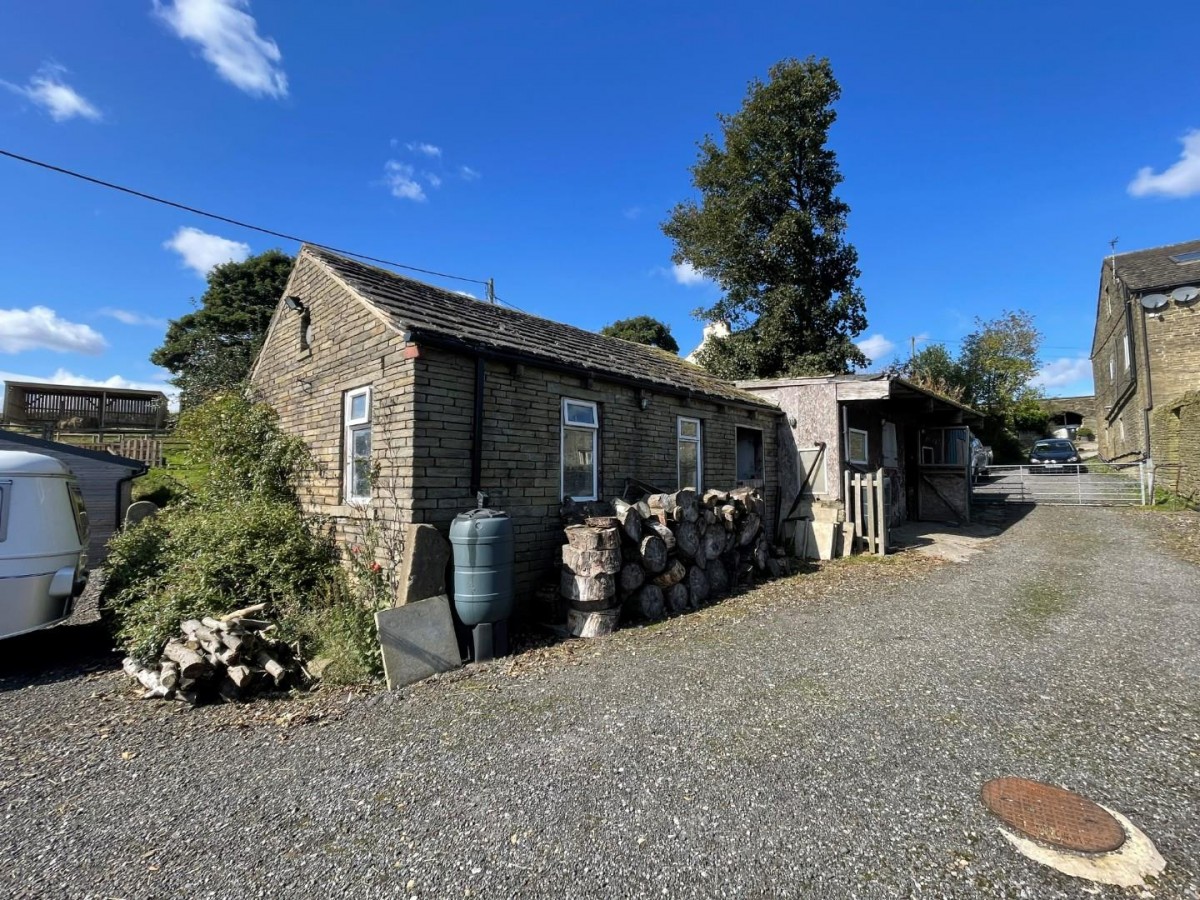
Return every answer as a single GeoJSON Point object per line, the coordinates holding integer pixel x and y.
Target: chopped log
{"type": "Point", "coordinates": [714, 542]}
{"type": "Point", "coordinates": [643, 509]}
{"type": "Point", "coordinates": [233, 642]}
{"type": "Point", "coordinates": [241, 676]}
{"type": "Point", "coordinates": [591, 562]}
{"type": "Point", "coordinates": [673, 574]}
{"type": "Point", "coordinates": [244, 612]}
{"type": "Point", "coordinates": [215, 624]}
{"type": "Point", "coordinates": [686, 507]}
{"type": "Point", "coordinates": [583, 592]}
{"type": "Point", "coordinates": [653, 552]}
{"type": "Point", "coordinates": [169, 676]}
{"type": "Point", "coordinates": [712, 499]}
{"type": "Point", "coordinates": [687, 539]}
{"type": "Point", "coordinates": [601, 522]}
{"type": "Point", "coordinates": [728, 515]}
{"type": "Point", "coordinates": [191, 663]}
{"type": "Point", "coordinates": [581, 537]}
{"type": "Point", "coordinates": [649, 602]}
{"type": "Point", "coordinates": [718, 578]}
{"type": "Point", "coordinates": [630, 520]}
{"type": "Point", "coordinates": [653, 526]}
{"type": "Point", "coordinates": [592, 624]}
{"type": "Point", "coordinates": [148, 678]}
{"type": "Point", "coordinates": [749, 530]}
{"type": "Point", "coordinates": [661, 504]}
{"type": "Point", "coordinates": [271, 666]}
{"type": "Point", "coordinates": [700, 560]}
{"type": "Point", "coordinates": [676, 597]}
{"type": "Point", "coordinates": [698, 586]}
{"type": "Point", "coordinates": [632, 577]}
{"type": "Point", "coordinates": [762, 553]}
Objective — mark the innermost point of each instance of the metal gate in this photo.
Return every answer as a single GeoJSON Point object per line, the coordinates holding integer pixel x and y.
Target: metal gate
{"type": "Point", "coordinates": [1090, 483]}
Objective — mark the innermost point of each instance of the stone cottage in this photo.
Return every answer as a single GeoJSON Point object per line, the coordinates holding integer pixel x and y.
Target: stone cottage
{"type": "Point", "coordinates": [1146, 360]}
{"type": "Point", "coordinates": [443, 395]}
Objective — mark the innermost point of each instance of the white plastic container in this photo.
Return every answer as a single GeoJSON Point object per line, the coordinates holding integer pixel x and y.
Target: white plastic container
{"type": "Point", "coordinates": [43, 542]}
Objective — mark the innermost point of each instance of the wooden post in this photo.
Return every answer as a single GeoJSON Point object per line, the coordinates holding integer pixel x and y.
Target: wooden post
{"type": "Point", "coordinates": [883, 517]}
{"type": "Point", "coordinates": [871, 515]}
{"type": "Point", "coordinates": [856, 496]}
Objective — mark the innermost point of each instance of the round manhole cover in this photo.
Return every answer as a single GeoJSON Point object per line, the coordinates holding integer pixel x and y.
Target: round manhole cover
{"type": "Point", "coordinates": [1052, 815]}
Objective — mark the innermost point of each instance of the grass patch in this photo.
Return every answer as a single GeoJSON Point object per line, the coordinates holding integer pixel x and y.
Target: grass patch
{"type": "Point", "coordinates": [1036, 605]}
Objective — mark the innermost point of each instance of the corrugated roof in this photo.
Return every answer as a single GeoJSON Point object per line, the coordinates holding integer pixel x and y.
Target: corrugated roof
{"type": "Point", "coordinates": [1142, 270]}
{"type": "Point", "coordinates": [432, 312]}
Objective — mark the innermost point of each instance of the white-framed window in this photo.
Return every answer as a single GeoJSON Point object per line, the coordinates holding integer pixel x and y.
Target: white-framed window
{"type": "Point", "coordinates": [580, 449]}
{"type": "Point", "coordinates": [356, 446]}
{"type": "Point", "coordinates": [856, 446]}
{"type": "Point", "coordinates": [690, 454]}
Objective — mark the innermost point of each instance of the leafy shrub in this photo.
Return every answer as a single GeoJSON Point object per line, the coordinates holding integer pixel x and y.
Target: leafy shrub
{"type": "Point", "coordinates": [160, 488]}
{"type": "Point", "coordinates": [196, 561]}
{"type": "Point", "coordinates": [1085, 434]}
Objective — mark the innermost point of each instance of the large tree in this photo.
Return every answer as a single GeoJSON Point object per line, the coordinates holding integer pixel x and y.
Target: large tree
{"type": "Point", "coordinates": [212, 348]}
{"type": "Point", "coordinates": [770, 231]}
{"type": "Point", "coordinates": [643, 330]}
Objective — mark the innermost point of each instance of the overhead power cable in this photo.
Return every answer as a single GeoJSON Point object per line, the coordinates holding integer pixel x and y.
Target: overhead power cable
{"type": "Point", "coordinates": [226, 219]}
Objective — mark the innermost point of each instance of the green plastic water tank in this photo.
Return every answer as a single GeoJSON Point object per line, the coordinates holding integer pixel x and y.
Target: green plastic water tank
{"type": "Point", "coordinates": [483, 565]}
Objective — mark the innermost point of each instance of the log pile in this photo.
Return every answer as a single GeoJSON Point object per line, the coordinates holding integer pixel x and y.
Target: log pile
{"type": "Point", "coordinates": [229, 658]}
{"type": "Point", "coordinates": [664, 554]}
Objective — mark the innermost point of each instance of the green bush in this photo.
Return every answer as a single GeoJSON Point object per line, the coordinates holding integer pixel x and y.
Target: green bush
{"type": "Point", "coordinates": [1085, 434]}
{"type": "Point", "coordinates": [160, 488]}
{"type": "Point", "coordinates": [338, 626]}
{"type": "Point", "coordinates": [196, 561]}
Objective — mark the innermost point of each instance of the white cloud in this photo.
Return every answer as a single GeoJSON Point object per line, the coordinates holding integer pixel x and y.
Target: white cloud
{"type": "Point", "coordinates": [63, 376]}
{"type": "Point", "coordinates": [41, 328]}
{"type": "Point", "coordinates": [423, 149]}
{"type": "Point", "coordinates": [1063, 371]}
{"type": "Point", "coordinates": [469, 174]}
{"type": "Point", "coordinates": [875, 347]}
{"type": "Point", "coordinates": [632, 212]}
{"type": "Point", "coordinates": [48, 90]}
{"type": "Point", "coordinates": [686, 274]}
{"type": "Point", "coordinates": [434, 180]}
{"type": "Point", "coordinates": [132, 318]}
{"type": "Point", "coordinates": [401, 181]}
{"type": "Point", "coordinates": [228, 38]}
{"type": "Point", "coordinates": [202, 251]}
{"type": "Point", "coordinates": [1179, 180]}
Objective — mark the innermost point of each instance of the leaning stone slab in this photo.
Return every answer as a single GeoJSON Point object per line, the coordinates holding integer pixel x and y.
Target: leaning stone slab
{"type": "Point", "coordinates": [136, 512]}
{"type": "Point", "coordinates": [417, 640]}
{"type": "Point", "coordinates": [423, 567]}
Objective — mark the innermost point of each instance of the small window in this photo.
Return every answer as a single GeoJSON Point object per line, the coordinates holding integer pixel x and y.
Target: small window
{"type": "Point", "coordinates": [1112, 366]}
{"type": "Point", "coordinates": [5, 498]}
{"type": "Point", "coordinates": [689, 454]}
{"type": "Point", "coordinates": [580, 446]}
{"type": "Point", "coordinates": [306, 331]}
{"type": "Point", "coordinates": [82, 528]}
{"type": "Point", "coordinates": [856, 446]}
{"type": "Point", "coordinates": [1125, 344]}
{"type": "Point", "coordinates": [1189, 257]}
{"type": "Point", "coordinates": [356, 448]}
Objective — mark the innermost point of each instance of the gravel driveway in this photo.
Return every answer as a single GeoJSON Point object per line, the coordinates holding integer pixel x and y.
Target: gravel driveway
{"type": "Point", "coordinates": [824, 736]}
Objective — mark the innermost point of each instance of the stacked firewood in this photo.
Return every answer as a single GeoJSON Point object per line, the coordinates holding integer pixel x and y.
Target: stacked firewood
{"type": "Point", "coordinates": [669, 553]}
{"type": "Point", "coordinates": [230, 658]}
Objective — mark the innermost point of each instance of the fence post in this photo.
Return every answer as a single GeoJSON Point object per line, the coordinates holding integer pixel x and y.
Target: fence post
{"type": "Point", "coordinates": [883, 517]}
{"type": "Point", "coordinates": [1079, 483]}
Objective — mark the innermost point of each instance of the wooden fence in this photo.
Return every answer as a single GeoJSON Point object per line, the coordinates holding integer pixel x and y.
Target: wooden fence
{"type": "Point", "coordinates": [866, 511]}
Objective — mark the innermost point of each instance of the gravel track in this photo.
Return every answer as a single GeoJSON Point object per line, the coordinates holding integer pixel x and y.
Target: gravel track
{"type": "Point", "coordinates": [822, 736]}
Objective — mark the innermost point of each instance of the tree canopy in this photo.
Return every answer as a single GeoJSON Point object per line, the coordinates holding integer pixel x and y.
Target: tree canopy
{"type": "Point", "coordinates": [212, 348]}
{"type": "Point", "coordinates": [770, 231]}
{"type": "Point", "coordinates": [643, 330]}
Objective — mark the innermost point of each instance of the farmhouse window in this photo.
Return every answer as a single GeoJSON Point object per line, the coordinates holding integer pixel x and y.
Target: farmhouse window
{"type": "Point", "coordinates": [580, 449]}
{"type": "Point", "coordinates": [856, 446]}
{"type": "Point", "coordinates": [356, 447]}
{"type": "Point", "coordinates": [690, 454]}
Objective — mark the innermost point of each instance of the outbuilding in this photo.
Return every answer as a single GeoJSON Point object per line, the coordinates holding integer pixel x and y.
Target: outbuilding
{"type": "Point", "coordinates": [413, 398]}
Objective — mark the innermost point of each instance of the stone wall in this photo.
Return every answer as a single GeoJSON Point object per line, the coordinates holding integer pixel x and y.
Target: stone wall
{"type": "Point", "coordinates": [522, 447]}
{"type": "Point", "coordinates": [1118, 386]}
{"type": "Point", "coordinates": [1175, 430]}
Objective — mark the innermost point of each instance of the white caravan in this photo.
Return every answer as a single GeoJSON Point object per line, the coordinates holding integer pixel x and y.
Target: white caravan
{"type": "Point", "coordinates": [43, 542]}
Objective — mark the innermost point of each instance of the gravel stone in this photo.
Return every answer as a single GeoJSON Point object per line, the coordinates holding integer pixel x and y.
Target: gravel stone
{"type": "Point", "coordinates": [823, 736]}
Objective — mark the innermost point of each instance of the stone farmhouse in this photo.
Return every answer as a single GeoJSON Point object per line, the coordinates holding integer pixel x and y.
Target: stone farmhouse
{"type": "Point", "coordinates": [442, 395]}
{"type": "Point", "coordinates": [1146, 360]}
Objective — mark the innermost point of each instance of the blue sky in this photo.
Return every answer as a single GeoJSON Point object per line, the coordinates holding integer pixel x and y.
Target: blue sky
{"type": "Point", "coordinates": [990, 153]}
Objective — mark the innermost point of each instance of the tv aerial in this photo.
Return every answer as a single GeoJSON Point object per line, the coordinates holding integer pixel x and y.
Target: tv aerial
{"type": "Point", "coordinates": [1185, 295]}
{"type": "Point", "coordinates": [1155, 301]}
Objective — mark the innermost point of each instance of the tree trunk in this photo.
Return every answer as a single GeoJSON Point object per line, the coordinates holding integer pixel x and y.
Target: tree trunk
{"type": "Point", "coordinates": [649, 603]}
{"type": "Point", "coordinates": [591, 624]}
{"type": "Point", "coordinates": [581, 537]}
{"type": "Point", "coordinates": [654, 553]}
{"type": "Point", "coordinates": [749, 530]}
{"type": "Point", "coordinates": [668, 536]}
{"type": "Point", "coordinates": [191, 664]}
{"type": "Point", "coordinates": [687, 539]}
{"type": "Point", "coordinates": [676, 597]}
{"type": "Point", "coordinates": [698, 586]}
{"type": "Point", "coordinates": [591, 562]}
{"type": "Point", "coordinates": [674, 573]}
{"type": "Point", "coordinates": [632, 577]}
{"type": "Point", "coordinates": [584, 592]}
{"type": "Point", "coordinates": [630, 519]}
